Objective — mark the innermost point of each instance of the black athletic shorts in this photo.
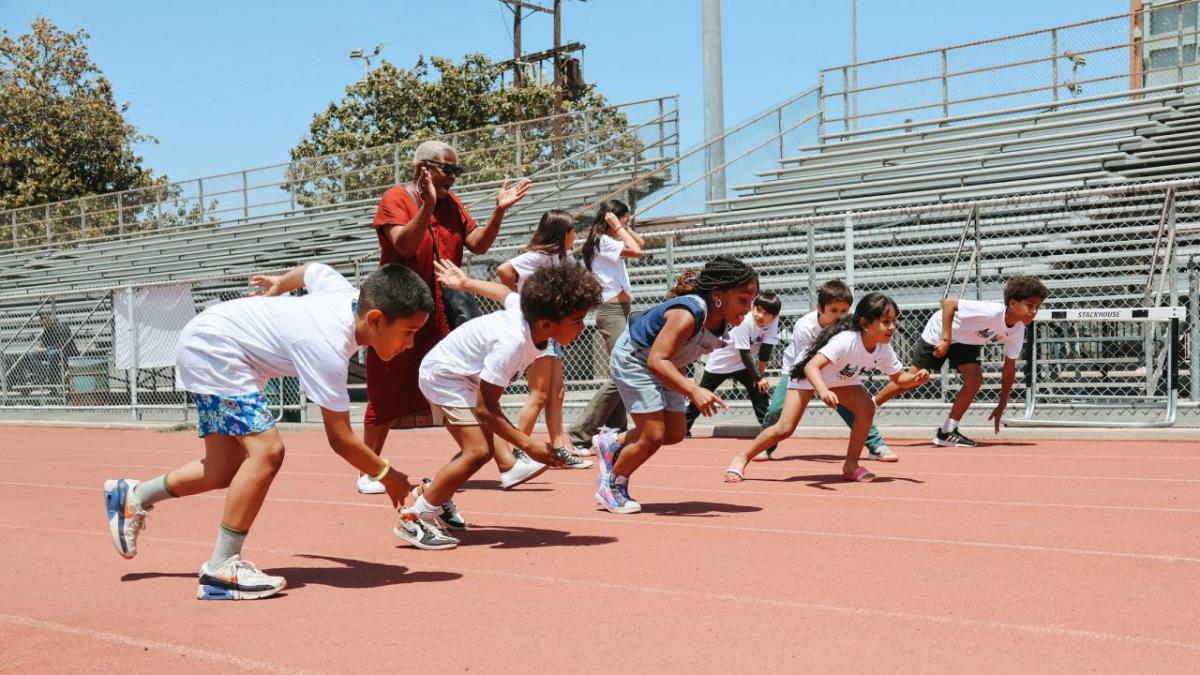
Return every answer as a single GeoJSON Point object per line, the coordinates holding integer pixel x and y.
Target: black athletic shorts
{"type": "Point", "coordinates": [958, 354]}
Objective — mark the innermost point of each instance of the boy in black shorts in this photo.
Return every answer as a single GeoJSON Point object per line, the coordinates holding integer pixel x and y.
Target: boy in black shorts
{"type": "Point", "coordinates": [958, 332]}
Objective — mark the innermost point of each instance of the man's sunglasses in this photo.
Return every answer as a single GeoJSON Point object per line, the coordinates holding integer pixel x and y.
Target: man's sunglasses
{"type": "Point", "coordinates": [448, 169]}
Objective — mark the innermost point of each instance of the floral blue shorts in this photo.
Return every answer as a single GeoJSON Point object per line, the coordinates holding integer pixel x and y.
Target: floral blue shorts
{"type": "Point", "coordinates": [233, 415]}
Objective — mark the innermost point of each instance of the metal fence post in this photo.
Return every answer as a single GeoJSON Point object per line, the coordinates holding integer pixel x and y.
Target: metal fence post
{"type": "Point", "coordinates": [812, 266]}
{"type": "Point", "coordinates": [133, 343]}
{"type": "Point", "coordinates": [1054, 61]}
{"type": "Point", "coordinates": [1194, 324]}
{"type": "Point", "coordinates": [83, 218]}
{"type": "Point", "coordinates": [848, 229]}
{"type": "Point", "coordinates": [845, 99]}
{"type": "Point", "coordinates": [200, 183]}
{"type": "Point", "coordinates": [245, 197]}
{"type": "Point", "coordinates": [820, 105]}
{"type": "Point", "coordinates": [671, 261]}
{"type": "Point", "coordinates": [945, 87]}
{"type": "Point", "coordinates": [14, 229]}
{"type": "Point", "coordinates": [779, 129]}
{"type": "Point", "coordinates": [121, 213]}
{"type": "Point", "coordinates": [47, 224]}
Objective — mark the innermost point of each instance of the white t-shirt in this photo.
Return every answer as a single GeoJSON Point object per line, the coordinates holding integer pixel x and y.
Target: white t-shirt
{"type": "Point", "coordinates": [233, 348]}
{"type": "Point", "coordinates": [494, 348]}
{"type": "Point", "coordinates": [609, 268]}
{"type": "Point", "coordinates": [529, 262]}
{"type": "Point", "coordinates": [804, 333]}
{"type": "Point", "coordinates": [745, 335]}
{"type": "Point", "coordinates": [847, 358]}
{"type": "Point", "coordinates": [977, 322]}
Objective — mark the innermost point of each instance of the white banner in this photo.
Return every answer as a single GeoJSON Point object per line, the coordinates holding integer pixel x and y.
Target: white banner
{"type": "Point", "coordinates": [155, 318]}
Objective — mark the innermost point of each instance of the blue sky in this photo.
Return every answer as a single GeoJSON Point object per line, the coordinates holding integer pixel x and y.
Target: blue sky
{"type": "Point", "coordinates": [230, 85]}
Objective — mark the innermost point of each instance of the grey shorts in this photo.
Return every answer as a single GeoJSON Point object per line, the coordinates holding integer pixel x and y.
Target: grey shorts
{"type": "Point", "coordinates": [640, 391]}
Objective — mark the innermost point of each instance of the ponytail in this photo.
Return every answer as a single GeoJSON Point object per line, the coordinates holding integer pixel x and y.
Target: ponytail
{"type": "Point", "coordinates": [870, 309]}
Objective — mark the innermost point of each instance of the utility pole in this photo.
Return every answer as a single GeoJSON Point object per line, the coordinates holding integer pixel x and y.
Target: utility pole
{"type": "Point", "coordinates": [853, 112]}
{"type": "Point", "coordinates": [558, 85]}
{"type": "Point", "coordinates": [714, 97]}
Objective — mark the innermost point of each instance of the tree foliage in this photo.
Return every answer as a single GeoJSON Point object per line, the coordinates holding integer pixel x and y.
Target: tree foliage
{"type": "Point", "coordinates": [61, 134]}
{"type": "Point", "coordinates": [364, 142]}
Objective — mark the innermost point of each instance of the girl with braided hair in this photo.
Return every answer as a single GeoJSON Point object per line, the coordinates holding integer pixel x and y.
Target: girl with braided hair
{"type": "Point", "coordinates": [647, 366]}
{"type": "Point", "coordinates": [830, 370]}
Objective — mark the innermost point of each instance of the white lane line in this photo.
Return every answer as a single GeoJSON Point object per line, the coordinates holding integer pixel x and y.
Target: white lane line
{"type": "Point", "coordinates": [659, 522]}
{"type": "Point", "coordinates": [1051, 631]}
{"type": "Point", "coordinates": [725, 491]}
{"type": "Point", "coordinates": [228, 660]}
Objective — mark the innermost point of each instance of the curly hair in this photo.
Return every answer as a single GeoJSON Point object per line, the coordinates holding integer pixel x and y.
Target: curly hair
{"type": "Point", "coordinates": [1021, 287]}
{"type": "Point", "coordinates": [553, 293]}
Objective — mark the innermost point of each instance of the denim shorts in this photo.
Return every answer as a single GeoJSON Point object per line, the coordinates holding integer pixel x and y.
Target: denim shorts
{"type": "Point", "coordinates": [241, 415]}
{"type": "Point", "coordinates": [640, 391]}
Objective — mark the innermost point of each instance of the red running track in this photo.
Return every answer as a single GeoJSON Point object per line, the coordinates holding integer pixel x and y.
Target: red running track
{"type": "Point", "coordinates": [1019, 556]}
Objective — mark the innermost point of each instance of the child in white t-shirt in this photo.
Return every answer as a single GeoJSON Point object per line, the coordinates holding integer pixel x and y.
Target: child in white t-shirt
{"type": "Point", "coordinates": [548, 247]}
{"type": "Point", "coordinates": [834, 299]}
{"type": "Point", "coordinates": [830, 369]}
{"type": "Point", "coordinates": [225, 356]}
{"type": "Point", "coordinates": [464, 376]}
{"type": "Point", "coordinates": [745, 356]}
{"type": "Point", "coordinates": [958, 332]}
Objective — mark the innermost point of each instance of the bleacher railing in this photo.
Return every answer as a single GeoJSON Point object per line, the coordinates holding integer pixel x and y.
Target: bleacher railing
{"type": "Point", "coordinates": [1092, 247]}
{"type": "Point", "coordinates": [649, 127]}
{"type": "Point", "coordinates": [1059, 65]}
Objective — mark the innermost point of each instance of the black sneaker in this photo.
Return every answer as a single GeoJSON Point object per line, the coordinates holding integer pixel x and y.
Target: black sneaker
{"type": "Point", "coordinates": [954, 439]}
{"type": "Point", "coordinates": [450, 517]}
{"type": "Point", "coordinates": [571, 461]}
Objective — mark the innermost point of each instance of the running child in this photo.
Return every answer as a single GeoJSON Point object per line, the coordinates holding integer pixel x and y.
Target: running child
{"type": "Point", "coordinates": [958, 332]}
{"type": "Point", "coordinates": [746, 343]}
{"type": "Point", "coordinates": [225, 356]}
{"type": "Point", "coordinates": [464, 376]}
{"type": "Point", "coordinates": [833, 302]}
{"type": "Point", "coordinates": [548, 247]}
{"type": "Point", "coordinates": [647, 366]}
{"type": "Point", "coordinates": [830, 370]}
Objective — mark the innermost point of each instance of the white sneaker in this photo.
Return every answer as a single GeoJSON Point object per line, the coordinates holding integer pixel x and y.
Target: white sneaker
{"type": "Point", "coordinates": [126, 517]}
{"type": "Point", "coordinates": [367, 486]}
{"type": "Point", "coordinates": [523, 470]}
{"type": "Point", "coordinates": [237, 579]}
{"type": "Point", "coordinates": [883, 454]}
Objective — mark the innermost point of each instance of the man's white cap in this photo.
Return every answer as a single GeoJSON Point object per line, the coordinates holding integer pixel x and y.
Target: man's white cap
{"type": "Point", "coordinates": [431, 150]}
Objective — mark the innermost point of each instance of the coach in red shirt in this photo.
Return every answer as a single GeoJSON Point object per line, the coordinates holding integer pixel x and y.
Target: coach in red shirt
{"type": "Point", "coordinates": [415, 222]}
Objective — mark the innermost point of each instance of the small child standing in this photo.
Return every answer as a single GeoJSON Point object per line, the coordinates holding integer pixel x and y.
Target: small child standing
{"type": "Point", "coordinates": [647, 366]}
{"type": "Point", "coordinates": [225, 356]}
{"type": "Point", "coordinates": [830, 369]}
{"type": "Point", "coordinates": [747, 342]}
{"type": "Point", "coordinates": [548, 247]}
{"type": "Point", "coordinates": [833, 302]}
{"type": "Point", "coordinates": [958, 332]}
{"type": "Point", "coordinates": [464, 376]}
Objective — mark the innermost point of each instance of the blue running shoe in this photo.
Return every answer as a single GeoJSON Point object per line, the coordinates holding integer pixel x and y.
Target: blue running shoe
{"type": "Point", "coordinates": [615, 497]}
{"type": "Point", "coordinates": [126, 517]}
{"type": "Point", "coordinates": [607, 449]}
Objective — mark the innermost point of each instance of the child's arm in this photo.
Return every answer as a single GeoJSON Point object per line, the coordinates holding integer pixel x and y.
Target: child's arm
{"type": "Point", "coordinates": [756, 372]}
{"type": "Point", "coordinates": [507, 275]}
{"type": "Point", "coordinates": [812, 371]}
{"type": "Point", "coordinates": [676, 331]}
{"type": "Point", "coordinates": [911, 377]}
{"type": "Point", "coordinates": [491, 417]}
{"type": "Point", "coordinates": [287, 282]}
{"type": "Point", "coordinates": [949, 307]}
{"type": "Point", "coordinates": [348, 446]}
{"type": "Point", "coordinates": [450, 276]}
{"type": "Point", "coordinates": [1007, 377]}
{"type": "Point", "coordinates": [633, 241]}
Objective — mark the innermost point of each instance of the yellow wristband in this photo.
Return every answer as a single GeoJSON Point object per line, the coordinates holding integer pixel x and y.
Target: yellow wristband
{"type": "Point", "coordinates": [387, 464]}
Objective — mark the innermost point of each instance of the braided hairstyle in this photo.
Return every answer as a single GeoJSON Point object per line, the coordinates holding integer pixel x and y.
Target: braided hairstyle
{"type": "Point", "coordinates": [869, 309]}
{"type": "Point", "coordinates": [599, 228]}
{"type": "Point", "coordinates": [719, 274]}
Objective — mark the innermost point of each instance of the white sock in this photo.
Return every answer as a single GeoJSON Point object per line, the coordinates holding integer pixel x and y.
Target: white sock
{"type": "Point", "coordinates": [423, 506]}
{"type": "Point", "coordinates": [229, 544]}
{"type": "Point", "coordinates": [949, 425]}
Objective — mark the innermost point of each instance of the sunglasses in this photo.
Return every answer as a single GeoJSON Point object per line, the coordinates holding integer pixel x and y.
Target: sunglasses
{"type": "Point", "coordinates": [447, 169]}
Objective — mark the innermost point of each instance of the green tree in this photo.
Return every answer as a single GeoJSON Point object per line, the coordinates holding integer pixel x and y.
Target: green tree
{"type": "Point", "coordinates": [353, 145]}
{"type": "Point", "coordinates": [61, 133]}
